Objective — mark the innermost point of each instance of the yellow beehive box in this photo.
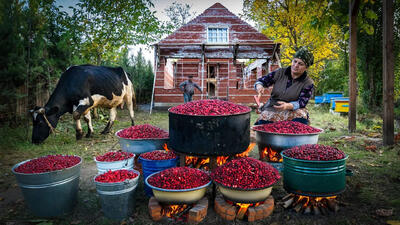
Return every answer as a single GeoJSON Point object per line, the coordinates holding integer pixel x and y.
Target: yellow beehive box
{"type": "Point", "coordinates": [342, 106]}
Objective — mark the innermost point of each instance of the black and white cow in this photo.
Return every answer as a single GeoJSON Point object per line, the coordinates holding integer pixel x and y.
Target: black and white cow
{"type": "Point", "coordinates": [80, 89]}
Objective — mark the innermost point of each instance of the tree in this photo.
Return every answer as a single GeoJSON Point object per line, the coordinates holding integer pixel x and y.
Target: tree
{"type": "Point", "coordinates": [179, 14]}
{"type": "Point", "coordinates": [140, 72]}
{"type": "Point", "coordinates": [293, 23]}
{"type": "Point", "coordinates": [34, 52]}
{"type": "Point", "coordinates": [106, 26]}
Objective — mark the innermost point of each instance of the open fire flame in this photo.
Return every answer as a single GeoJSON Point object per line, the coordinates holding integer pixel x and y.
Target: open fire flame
{"type": "Point", "coordinates": [172, 211]}
{"type": "Point", "coordinates": [165, 146]}
{"type": "Point", "coordinates": [242, 208]}
{"type": "Point", "coordinates": [311, 201]}
{"type": "Point", "coordinates": [270, 155]}
{"type": "Point", "coordinates": [198, 162]}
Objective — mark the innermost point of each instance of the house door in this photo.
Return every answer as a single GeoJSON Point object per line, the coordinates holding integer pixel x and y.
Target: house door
{"type": "Point", "coordinates": [211, 81]}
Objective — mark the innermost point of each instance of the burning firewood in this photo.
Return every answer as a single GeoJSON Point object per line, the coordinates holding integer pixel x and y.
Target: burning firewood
{"type": "Point", "coordinates": [307, 205]}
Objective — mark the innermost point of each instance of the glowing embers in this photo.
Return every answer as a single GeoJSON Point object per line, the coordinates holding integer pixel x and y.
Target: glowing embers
{"type": "Point", "coordinates": [204, 162]}
{"type": "Point", "coordinates": [243, 211]}
{"type": "Point", "coordinates": [191, 213]}
{"type": "Point", "coordinates": [311, 205]}
{"type": "Point", "coordinates": [270, 155]}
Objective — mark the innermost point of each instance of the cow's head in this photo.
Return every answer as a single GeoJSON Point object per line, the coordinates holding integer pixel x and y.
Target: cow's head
{"type": "Point", "coordinates": [41, 129]}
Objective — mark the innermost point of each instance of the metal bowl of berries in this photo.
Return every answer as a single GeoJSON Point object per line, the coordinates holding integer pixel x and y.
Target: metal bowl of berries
{"type": "Point", "coordinates": [177, 196]}
{"type": "Point", "coordinates": [138, 146]}
{"type": "Point", "coordinates": [279, 141]}
{"type": "Point", "coordinates": [242, 195]}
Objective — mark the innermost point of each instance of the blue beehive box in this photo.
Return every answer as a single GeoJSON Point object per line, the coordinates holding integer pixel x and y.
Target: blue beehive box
{"type": "Point", "coordinates": [329, 95]}
{"type": "Point", "coordinates": [319, 99]}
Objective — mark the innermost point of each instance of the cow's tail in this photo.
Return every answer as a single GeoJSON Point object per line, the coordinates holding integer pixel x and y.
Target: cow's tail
{"type": "Point", "coordinates": [133, 97]}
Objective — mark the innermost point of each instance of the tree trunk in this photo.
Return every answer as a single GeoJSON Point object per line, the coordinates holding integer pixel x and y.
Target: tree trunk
{"type": "Point", "coordinates": [352, 65]}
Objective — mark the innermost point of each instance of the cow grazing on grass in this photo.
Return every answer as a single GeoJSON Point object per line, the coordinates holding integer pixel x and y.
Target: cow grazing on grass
{"type": "Point", "coordinates": [80, 89]}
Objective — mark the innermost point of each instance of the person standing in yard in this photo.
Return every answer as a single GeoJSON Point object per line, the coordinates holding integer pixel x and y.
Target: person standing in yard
{"type": "Point", "coordinates": [292, 88]}
{"type": "Point", "coordinates": [188, 89]}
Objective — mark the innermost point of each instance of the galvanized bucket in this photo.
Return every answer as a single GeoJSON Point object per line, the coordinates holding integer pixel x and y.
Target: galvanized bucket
{"type": "Point", "coordinates": [138, 146]}
{"type": "Point", "coordinates": [117, 199]}
{"type": "Point", "coordinates": [50, 194]}
{"type": "Point", "coordinates": [314, 178]}
{"type": "Point", "coordinates": [125, 164]}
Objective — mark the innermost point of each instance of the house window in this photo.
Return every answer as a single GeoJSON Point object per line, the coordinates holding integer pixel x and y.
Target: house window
{"type": "Point", "coordinates": [217, 35]}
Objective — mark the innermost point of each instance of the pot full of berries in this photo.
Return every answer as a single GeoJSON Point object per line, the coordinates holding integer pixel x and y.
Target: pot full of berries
{"type": "Point", "coordinates": [142, 138]}
{"type": "Point", "coordinates": [314, 170]}
{"type": "Point", "coordinates": [114, 161]}
{"type": "Point", "coordinates": [116, 190]}
{"type": "Point", "coordinates": [49, 184]}
{"type": "Point", "coordinates": [245, 180]}
{"type": "Point", "coordinates": [209, 128]}
{"type": "Point", "coordinates": [285, 134]}
{"type": "Point", "coordinates": [179, 185]}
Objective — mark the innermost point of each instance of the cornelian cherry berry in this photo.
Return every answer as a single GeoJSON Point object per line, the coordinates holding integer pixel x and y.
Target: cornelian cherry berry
{"type": "Point", "coordinates": [114, 156]}
{"type": "Point", "coordinates": [209, 107]}
{"type": "Point", "coordinates": [144, 131]}
{"type": "Point", "coordinates": [315, 152]}
{"type": "Point", "coordinates": [287, 127]}
{"type": "Point", "coordinates": [48, 163]}
{"type": "Point", "coordinates": [245, 173]}
{"type": "Point", "coordinates": [116, 176]}
{"type": "Point", "coordinates": [158, 155]}
{"type": "Point", "coordinates": [179, 178]}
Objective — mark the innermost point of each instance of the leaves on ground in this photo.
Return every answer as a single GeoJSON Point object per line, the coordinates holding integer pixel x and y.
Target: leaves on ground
{"type": "Point", "coordinates": [384, 212]}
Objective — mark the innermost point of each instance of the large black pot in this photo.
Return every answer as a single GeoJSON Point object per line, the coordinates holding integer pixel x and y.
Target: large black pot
{"type": "Point", "coordinates": [209, 135]}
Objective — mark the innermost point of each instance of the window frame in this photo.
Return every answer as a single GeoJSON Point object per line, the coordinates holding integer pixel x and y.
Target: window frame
{"type": "Point", "coordinates": [218, 27]}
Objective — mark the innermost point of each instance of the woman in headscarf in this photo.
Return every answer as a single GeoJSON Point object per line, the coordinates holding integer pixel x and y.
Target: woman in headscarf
{"type": "Point", "coordinates": [292, 88]}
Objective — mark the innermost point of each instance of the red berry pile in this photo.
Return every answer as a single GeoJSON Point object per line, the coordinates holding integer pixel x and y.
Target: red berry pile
{"type": "Point", "coordinates": [116, 176]}
{"type": "Point", "coordinates": [287, 127]}
{"type": "Point", "coordinates": [245, 173]}
{"type": "Point", "coordinates": [209, 108]}
{"type": "Point", "coordinates": [114, 156]}
{"type": "Point", "coordinates": [158, 155]}
{"type": "Point", "coordinates": [314, 152]}
{"type": "Point", "coordinates": [179, 178]}
{"type": "Point", "coordinates": [145, 131]}
{"type": "Point", "coordinates": [48, 163]}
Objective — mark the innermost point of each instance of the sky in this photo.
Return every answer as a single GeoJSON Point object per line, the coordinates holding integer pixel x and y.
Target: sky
{"type": "Point", "coordinates": [197, 6]}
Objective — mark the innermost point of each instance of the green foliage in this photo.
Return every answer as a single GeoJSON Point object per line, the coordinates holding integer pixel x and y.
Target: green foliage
{"type": "Point", "coordinates": [40, 41]}
{"type": "Point", "coordinates": [106, 26]}
{"type": "Point", "coordinates": [140, 72]}
{"type": "Point", "coordinates": [34, 51]}
{"type": "Point", "coordinates": [333, 78]}
{"type": "Point", "coordinates": [296, 24]}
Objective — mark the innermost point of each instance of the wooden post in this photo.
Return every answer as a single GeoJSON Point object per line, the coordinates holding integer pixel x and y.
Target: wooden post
{"type": "Point", "coordinates": [354, 4]}
{"type": "Point", "coordinates": [388, 73]}
{"type": "Point", "coordinates": [155, 76]}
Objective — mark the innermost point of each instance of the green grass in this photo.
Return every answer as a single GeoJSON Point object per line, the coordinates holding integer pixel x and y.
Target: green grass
{"type": "Point", "coordinates": [374, 185]}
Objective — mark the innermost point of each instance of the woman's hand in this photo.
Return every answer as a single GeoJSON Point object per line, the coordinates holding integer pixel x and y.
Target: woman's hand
{"type": "Point", "coordinates": [260, 89]}
{"type": "Point", "coordinates": [283, 106]}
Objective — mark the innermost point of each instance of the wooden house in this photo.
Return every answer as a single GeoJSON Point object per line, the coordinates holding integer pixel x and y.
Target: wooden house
{"type": "Point", "coordinates": [213, 48]}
